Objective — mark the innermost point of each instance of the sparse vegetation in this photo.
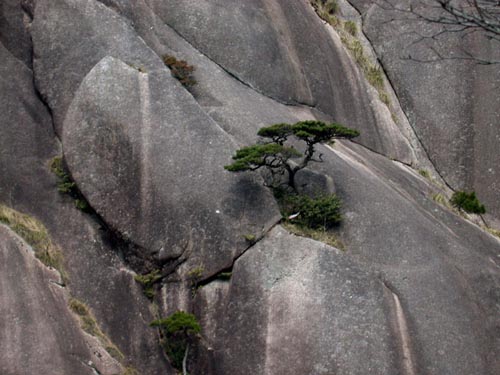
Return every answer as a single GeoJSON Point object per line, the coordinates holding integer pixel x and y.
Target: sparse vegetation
{"type": "Point", "coordinates": [467, 202]}
{"type": "Point", "coordinates": [179, 331]}
{"type": "Point", "coordinates": [89, 324]}
{"type": "Point", "coordinates": [66, 185]}
{"type": "Point", "coordinates": [351, 28]}
{"type": "Point", "coordinates": [250, 238]}
{"type": "Point", "coordinates": [181, 70]}
{"type": "Point", "coordinates": [326, 9]}
{"type": "Point", "coordinates": [147, 281]}
{"type": "Point", "coordinates": [348, 32]}
{"type": "Point", "coordinates": [224, 276]}
{"type": "Point", "coordinates": [36, 235]}
{"type": "Point", "coordinates": [442, 200]}
{"type": "Point", "coordinates": [424, 173]}
{"type": "Point", "coordinates": [320, 212]}
{"type": "Point", "coordinates": [316, 234]}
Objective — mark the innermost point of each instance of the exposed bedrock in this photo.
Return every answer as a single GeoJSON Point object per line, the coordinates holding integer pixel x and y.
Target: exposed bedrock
{"type": "Point", "coordinates": [429, 283]}
{"type": "Point", "coordinates": [284, 50]}
{"type": "Point", "coordinates": [150, 162]}
{"type": "Point", "coordinates": [38, 332]}
{"type": "Point", "coordinates": [452, 103]}
{"type": "Point", "coordinates": [297, 306]}
{"type": "Point", "coordinates": [97, 276]}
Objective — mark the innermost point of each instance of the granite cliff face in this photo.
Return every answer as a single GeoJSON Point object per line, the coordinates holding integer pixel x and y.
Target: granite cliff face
{"type": "Point", "coordinates": [416, 289]}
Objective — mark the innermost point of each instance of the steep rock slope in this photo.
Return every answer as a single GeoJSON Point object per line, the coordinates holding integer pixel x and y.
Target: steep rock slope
{"type": "Point", "coordinates": [451, 103]}
{"type": "Point", "coordinates": [415, 292]}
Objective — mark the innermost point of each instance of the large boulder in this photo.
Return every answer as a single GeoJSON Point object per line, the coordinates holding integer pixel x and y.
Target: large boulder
{"type": "Point", "coordinates": [150, 162]}
{"type": "Point", "coordinates": [70, 37]}
{"type": "Point", "coordinates": [297, 306]}
{"type": "Point", "coordinates": [97, 275]}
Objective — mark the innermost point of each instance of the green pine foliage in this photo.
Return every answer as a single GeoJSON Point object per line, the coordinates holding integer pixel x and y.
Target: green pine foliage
{"type": "Point", "coordinates": [320, 212]}
{"type": "Point", "coordinates": [272, 153]}
{"type": "Point", "coordinates": [467, 202]}
{"type": "Point", "coordinates": [178, 330]}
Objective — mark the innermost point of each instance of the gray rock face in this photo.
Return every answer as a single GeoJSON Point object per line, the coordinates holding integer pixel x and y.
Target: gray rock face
{"type": "Point", "coordinates": [284, 50]}
{"type": "Point", "coordinates": [150, 161]}
{"type": "Point", "coordinates": [38, 333]}
{"type": "Point", "coordinates": [70, 37]}
{"type": "Point", "coordinates": [297, 306]}
{"type": "Point", "coordinates": [14, 24]}
{"type": "Point", "coordinates": [442, 268]}
{"type": "Point", "coordinates": [97, 276]}
{"type": "Point", "coordinates": [451, 104]}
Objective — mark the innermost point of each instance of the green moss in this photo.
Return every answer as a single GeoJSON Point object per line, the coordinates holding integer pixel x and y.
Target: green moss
{"type": "Point", "coordinates": [424, 173]}
{"type": "Point", "coordinates": [147, 281]}
{"type": "Point", "coordinates": [351, 28]}
{"type": "Point", "coordinates": [36, 235]}
{"type": "Point", "coordinates": [66, 185]}
{"type": "Point", "coordinates": [250, 238]}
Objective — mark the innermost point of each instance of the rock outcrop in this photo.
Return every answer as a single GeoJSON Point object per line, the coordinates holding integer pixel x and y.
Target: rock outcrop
{"type": "Point", "coordinates": [416, 289]}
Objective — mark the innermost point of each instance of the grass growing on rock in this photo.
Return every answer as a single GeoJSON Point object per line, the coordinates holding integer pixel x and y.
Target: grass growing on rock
{"type": "Point", "coordinates": [348, 31]}
{"type": "Point", "coordinates": [66, 185]}
{"type": "Point", "coordinates": [36, 235]}
{"type": "Point", "coordinates": [316, 234]}
{"type": "Point", "coordinates": [88, 323]}
{"type": "Point", "coordinates": [147, 281]}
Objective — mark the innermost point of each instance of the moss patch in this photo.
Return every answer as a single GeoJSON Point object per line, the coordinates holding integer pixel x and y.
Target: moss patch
{"type": "Point", "coordinates": [36, 235]}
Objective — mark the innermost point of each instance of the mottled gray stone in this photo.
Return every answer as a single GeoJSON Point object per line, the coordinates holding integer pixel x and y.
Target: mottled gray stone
{"type": "Point", "coordinates": [97, 276]}
{"type": "Point", "coordinates": [38, 334]}
{"type": "Point", "coordinates": [14, 35]}
{"type": "Point", "coordinates": [451, 104]}
{"type": "Point", "coordinates": [297, 306]}
{"type": "Point", "coordinates": [284, 51]}
{"type": "Point", "coordinates": [70, 37]}
{"type": "Point", "coordinates": [150, 162]}
{"type": "Point", "coordinates": [443, 268]}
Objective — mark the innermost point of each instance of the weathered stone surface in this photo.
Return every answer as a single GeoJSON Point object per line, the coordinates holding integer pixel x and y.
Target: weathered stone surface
{"type": "Point", "coordinates": [452, 104]}
{"type": "Point", "coordinates": [286, 52]}
{"type": "Point", "coordinates": [38, 333]}
{"type": "Point", "coordinates": [443, 269]}
{"type": "Point", "coordinates": [14, 23]}
{"type": "Point", "coordinates": [97, 275]}
{"type": "Point", "coordinates": [150, 162]}
{"type": "Point", "coordinates": [70, 37]}
{"type": "Point", "coordinates": [297, 306]}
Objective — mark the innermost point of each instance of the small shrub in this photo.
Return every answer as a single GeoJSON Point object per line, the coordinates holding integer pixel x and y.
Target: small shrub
{"type": "Point", "coordinates": [67, 186]}
{"type": "Point", "coordinates": [179, 331]}
{"type": "Point", "coordinates": [351, 28]}
{"type": "Point", "coordinates": [181, 70]}
{"type": "Point", "coordinates": [322, 211]}
{"type": "Point", "coordinates": [147, 281]}
{"type": "Point", "coordinates": [467, 202]}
